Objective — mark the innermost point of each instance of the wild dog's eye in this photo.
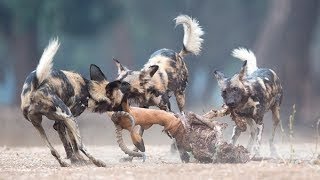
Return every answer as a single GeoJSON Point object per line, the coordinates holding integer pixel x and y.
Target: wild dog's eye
{"type": "Point", "coordinates": [236, 89]}
{"type": "Point", "coordinates": [224, 92]}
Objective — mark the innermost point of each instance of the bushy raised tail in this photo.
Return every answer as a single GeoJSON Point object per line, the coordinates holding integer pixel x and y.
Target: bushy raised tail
{"type": "Point", "coordinates": [192, 40]}
{"type": "Point", "coordinates": [246, 55]}
{"type": "Point", "coordinates": [45, 64]}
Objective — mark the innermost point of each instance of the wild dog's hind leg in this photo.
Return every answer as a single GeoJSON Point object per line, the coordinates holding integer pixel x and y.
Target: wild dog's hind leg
{"type": "Point", "coordinates": [276, 119]}
{"type": "Point", "coordinates": [63, 113]}
{"type": "Point", "coordinates": [75, 135]}
{"type": "Point", "coordinates": [76, 138]}
{"type": "Point", "coordinates": [70, 147]}
{"type": "Point", "coordinates": [36, 120]}
{"type": "Point", "coordinates": [180, 97]}
{"type": "Point", "coordinates": [76, 158]}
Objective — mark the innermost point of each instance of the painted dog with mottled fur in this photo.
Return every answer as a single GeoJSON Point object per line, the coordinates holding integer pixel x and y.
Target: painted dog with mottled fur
{"type": "Point", "coordinates": [165, 72]}
{"type": "Point", "coordinates": [61, 96]}
{"type": "Point", "coordinates": [248, 95]}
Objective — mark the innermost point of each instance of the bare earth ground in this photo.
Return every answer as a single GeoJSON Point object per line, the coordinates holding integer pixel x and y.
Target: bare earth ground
{"type": "Point", "coordinates": [37, 162]}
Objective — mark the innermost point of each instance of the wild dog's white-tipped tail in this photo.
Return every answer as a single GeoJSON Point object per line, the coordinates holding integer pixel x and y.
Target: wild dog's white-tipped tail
{"type": "Point", "coordinates": [45, 64]}
{"type": "Point", "coordinates": [192, 40]}
{"type": "Point", "coordinates": [246, 55]}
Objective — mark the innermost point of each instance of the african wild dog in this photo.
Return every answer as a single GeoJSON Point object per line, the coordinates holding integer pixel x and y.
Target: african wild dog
{"type": "Point", "coordinates": [61, 96]}
{"type": "Point", "coordinates": [249, 95]}
{"type": "Point", "coordinates": [168, 71]}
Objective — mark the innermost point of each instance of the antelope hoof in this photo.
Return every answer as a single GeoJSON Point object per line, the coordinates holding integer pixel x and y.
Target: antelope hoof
{"type": "Point", "coordinates": [140, 145]}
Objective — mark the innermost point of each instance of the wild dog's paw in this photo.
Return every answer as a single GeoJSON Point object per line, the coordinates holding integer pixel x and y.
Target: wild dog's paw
{"type": "Point", "coordinates": [64, 164]}
{"type": "Point", "coordinates": [126, 159]}
{"type": "Point", "coordinates": [99, 163]}
{"type": "Point", "coordinates": [79, 161]}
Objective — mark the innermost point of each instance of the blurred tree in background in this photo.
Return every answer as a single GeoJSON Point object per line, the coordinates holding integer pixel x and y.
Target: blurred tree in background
{"type": "Point", "coordinates": [284, 45]}
{"type": "Point", "coordinates": [21, 23]}
{"type": "Point", "coordinates": [283, 33]}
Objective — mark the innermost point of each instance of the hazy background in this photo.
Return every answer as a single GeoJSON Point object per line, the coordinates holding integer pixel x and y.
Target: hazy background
{"type": "Point", "coordinates": [284, 34]}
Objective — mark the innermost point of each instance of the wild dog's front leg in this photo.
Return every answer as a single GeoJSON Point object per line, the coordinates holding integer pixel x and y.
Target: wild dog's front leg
{"type": "Point", "coordinates": [276, 119]}
{"type": "Point", "coordinates": [253, 133]}
{"type": "Point", "coordinates": [258, 140]}
{"type": "Point", "coordinates": [240, 126]}
{"type": "Point", "coordinates": [235, 135]}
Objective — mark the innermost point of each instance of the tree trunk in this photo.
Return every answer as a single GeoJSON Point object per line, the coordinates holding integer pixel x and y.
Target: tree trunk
{"type": "Point", "coordinates": [284, 45]}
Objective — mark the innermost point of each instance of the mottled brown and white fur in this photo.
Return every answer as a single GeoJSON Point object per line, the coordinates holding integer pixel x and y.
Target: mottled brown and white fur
{"type": "Point", "coordinates": [169, 74]}
{"type": "Point", "coordinates": [61, 96]}
{"type": "Point", "coordinates": [249, 95]}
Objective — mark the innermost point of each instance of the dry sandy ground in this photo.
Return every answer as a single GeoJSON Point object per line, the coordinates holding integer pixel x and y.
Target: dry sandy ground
{"type": "Point", "coordinates": [37, 162]}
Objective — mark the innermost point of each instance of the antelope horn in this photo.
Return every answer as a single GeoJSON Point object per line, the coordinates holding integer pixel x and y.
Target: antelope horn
{"type": "Point", "coordinates": [124, 148]}
{"type": "Point", "coordinates": [115, 116]}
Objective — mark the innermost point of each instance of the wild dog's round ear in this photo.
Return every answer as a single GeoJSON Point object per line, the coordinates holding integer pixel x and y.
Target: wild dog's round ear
{"type": "Point", "coordinates": [219, 76]}
{"type": "Point", "coordinates": [120, 67]}
{"type": "Point", "coordinates": [96, 74]}
{"type": "Point", "coordinates": [149, 72]}
{"type": "Point", "coordinates": [113, 85]}
{"type": "Point", "coordinates": [153, 69]}
{"type": "Point", "coordinates": [243, 70]}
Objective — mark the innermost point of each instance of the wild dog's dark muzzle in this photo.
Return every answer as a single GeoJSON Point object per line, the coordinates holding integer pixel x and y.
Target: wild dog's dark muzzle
{"type": "Point", "coordinates": [231, 104]}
